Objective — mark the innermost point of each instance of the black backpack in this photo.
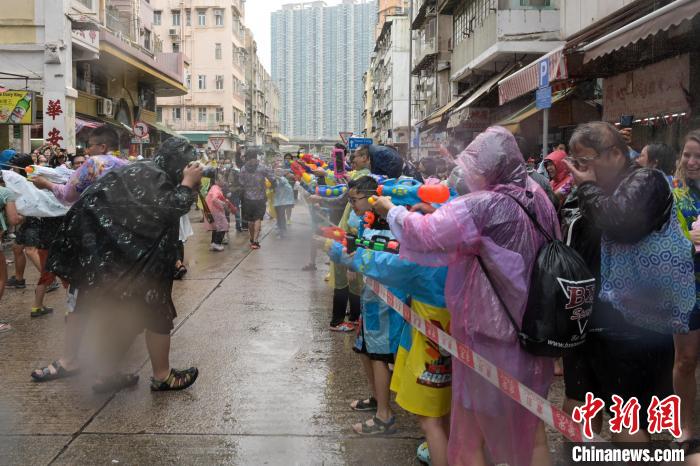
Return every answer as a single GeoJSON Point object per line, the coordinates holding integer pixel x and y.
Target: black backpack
{"type": "Point", "coordinates": [560, 299]}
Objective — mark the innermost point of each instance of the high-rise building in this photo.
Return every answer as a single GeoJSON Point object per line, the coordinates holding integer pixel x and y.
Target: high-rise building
{"type": "Point", "coordinates": [319, 54]}
{"type": "Point", "coordinates": [211, 34]}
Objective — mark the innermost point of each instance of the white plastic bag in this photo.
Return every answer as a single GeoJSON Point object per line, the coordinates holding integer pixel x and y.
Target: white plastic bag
{"type": "Point", "coordinates": [185, 228]}
{"type": "Point", "coordinates": [32, 201]}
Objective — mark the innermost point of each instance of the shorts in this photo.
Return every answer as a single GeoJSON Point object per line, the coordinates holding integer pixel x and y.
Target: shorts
{"type": "Point", "coordinates": [253, 210]}
{"type": "Point", "coordinates": [637, 367]}
{"type": "Point", "coordinates": [38, 232]}
{"type": "Point", "coordinates": [362, 348]}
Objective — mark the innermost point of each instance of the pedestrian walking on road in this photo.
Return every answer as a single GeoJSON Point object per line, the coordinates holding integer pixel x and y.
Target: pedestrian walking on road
{"type": "Point", "coordinates": [252, 179]}
{"type": "Point", "coordinates": [218, 203]}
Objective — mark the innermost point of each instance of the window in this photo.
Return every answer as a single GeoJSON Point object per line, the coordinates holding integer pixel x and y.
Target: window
{"type": "Point", "coordinates": [176, 17]}
{"type": "Point", "coordinates": [87, 3]}
{"type": "Point", "coordinates": [217, 51]}
{"type": "Point", "coordinates": [219, 82]}
{"type": "Point", "coordinates": [157, 15]}
{"type": "Point", "coordinates": [202, 81]}
{"type": "Point", "coordinates": [176, 47]}
{"type": "Point", "coordinates": [219, 114]}
{"type": "Point", "coordinates": [202, 17]}
{"type": "Point", "coordinates": [188, 17]}
{"type": "Point", "coordinates": [147, 39]}
{"type": "Point", "coordinates": [188, 113]}
{"type": "Point", "coordinates": [219, 17]}
{"type": "Point", "coordinates": [177, 113]}
{"type": "Point", "coordinates": [202, 114]}
{"type": "Point", "coordinates": [159, 114]}
{"type": "Point", "coordinates": [535, 3]}
{"type": "Point", "coordinates": [188, 81]}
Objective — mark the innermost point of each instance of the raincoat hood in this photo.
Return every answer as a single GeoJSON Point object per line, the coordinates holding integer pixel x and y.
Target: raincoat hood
{"type": "Point", "coordinates": [557, 158]}
{"type": "Point", "coordinates": [493, 158]}
{"type": "Point", "coordinates": [173, 156]}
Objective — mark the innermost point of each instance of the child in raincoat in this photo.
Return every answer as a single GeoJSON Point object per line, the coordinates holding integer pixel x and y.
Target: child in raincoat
{"type": "Point", "coordinates": [283, 200]}
{"type": "Point", "coordinates": [217, 203]}
{"type": "Point", "coordinates": [486, 222]}
{"type": "Point", "coordinates": [422, 378]}
{"type": "Point", "coordinates": [379, 330]}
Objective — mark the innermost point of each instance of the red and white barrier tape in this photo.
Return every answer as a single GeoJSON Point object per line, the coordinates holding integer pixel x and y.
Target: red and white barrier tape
{"type": "Point", "coordinates": [540, 407]}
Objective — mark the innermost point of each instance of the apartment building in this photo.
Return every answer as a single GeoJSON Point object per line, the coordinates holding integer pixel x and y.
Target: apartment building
{"type": "Point", "coordinates": [211, 34]}
{"type": "Point", "coordinates": [319, 54]}
{"type": "Point", "coordinates": [386, 8]}
{"type": "Point", "coordinates": [87, 63]}
{"type": "Point", "coordinates": [389, 76]}
{"type": "Point", "coordinates": [262, 102]}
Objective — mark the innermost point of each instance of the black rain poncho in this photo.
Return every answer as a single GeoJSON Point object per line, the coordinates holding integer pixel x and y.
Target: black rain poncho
{"type": "Point", "coordinates": [118, 243]}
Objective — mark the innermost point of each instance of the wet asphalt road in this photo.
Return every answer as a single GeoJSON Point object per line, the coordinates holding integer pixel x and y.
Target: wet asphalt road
{"type": "Point", "coordinates": [274, 383]}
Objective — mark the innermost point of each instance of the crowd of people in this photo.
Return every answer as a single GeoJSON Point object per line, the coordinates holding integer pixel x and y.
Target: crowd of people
{"type": "Point", "coordinates": [464, 263]}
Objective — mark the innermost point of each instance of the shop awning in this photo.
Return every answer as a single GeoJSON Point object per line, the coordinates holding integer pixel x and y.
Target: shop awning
{"type": "Point", "coordinates": [202, 137]}
{"type": "Point", "coordinates": [164, 129]}
{"type": "Point", "coordinates": [436, 117]}
{"type": "Point", "coordinates": [484, 88]}
{"type": "Point", "coordinates": [86, 121]}
{"type": "Point", "coordinates": [662, 19]}
{"type": "Point", "coordinates": [512, 123]}
{"type": "Point", "coordinates": [527, 79]}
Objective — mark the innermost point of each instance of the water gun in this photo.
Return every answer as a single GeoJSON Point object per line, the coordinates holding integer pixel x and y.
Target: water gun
{"type": "Point", "coordinates": [59, 175]}
{"type": "Point", "coordinates": [373, 221]}
{"type": "Point", "coordinates": [338, 234]}
{"type": "Point", "coordinates": [377, 243]}
{"type": "Point", "coordinates": [331, 191]}
{"type": "Point", "coordinates": [411, 192]}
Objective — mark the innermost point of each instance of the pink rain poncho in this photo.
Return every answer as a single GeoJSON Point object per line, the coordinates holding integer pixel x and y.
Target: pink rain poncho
{"type": "Point", "coordinates": [485, 222]}
{"type": "Point", "coordinates": [216, 202]}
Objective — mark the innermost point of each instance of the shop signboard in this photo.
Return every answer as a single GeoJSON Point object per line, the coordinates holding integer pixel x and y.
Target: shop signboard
{"type": "Point", "coordinates": [657, 89]}
{"type": "Point", "coordinates": [16, 108]}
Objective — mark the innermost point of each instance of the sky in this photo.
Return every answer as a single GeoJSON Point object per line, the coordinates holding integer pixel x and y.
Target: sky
{"type": "Point", "coordinates": [257, 18]}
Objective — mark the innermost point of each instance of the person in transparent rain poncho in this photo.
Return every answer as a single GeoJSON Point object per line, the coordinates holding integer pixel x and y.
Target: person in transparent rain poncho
{"type": "Point", "coordinates": [486, 426]}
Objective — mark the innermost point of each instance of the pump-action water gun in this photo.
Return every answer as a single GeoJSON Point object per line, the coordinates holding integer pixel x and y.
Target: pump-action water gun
{"type": "Point", "coordinates": [331, 191]}
{"type": "Point", "coordinates": [377, 243]}
{"type": "Point", "coordinates": [59, 175]}
{"type": "Point", "coordinates": [412, 192]}
{"type": "Point", "coordinates": [372, 221]}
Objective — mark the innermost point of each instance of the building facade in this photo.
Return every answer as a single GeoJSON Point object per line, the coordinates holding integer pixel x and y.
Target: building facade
{"type": "Point", "coordinates": [319, 54]}
{"type": "Point", "coordinates": [89, 63]}
{"type": "Point", "coordinates": [211, 34]}
{"type": "Point", "coordinates": [389, 70]}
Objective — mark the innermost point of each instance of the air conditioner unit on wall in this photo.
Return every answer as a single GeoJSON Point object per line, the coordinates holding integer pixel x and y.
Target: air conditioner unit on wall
{"type": "Point", "coordinates": [105, 107]}
{"type": "Point", "coordinates": [172, 32]}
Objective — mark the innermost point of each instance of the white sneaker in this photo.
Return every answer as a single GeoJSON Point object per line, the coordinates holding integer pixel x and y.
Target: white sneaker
{"type": "Point", "coordinates": [216, 247]}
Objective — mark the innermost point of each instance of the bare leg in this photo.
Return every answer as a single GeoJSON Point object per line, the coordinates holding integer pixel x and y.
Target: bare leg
{"type": "Point", "coordinates": [382, 381]}
{"type": "Point", "coordinates": [540, 452]}
{"type": "Point", "coordinates": [367, 366]}
{"type": "Point", "coordinates": [33, 255]}
{"type": "Point", "coordinates": [258, 227]}
{"type": "Point", "coordinates": [39, 294]}
{"type": "Point", "coordinates": [20, 261]}
{"type": "Point", "coordinates": [436, 435]}
{"type": "Point", "coordinates": [71, 345]}
{"type": "Point", "coordinates": [159, 351]}
{"type": "Point", "coordinates": [3, 272]}
{"type": "Point", "coordinates": [686, 360]}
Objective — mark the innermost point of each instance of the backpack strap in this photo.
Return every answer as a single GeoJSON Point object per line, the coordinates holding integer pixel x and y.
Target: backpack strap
{"type": "Point", "coordinates": [531, 215]}
{"type": "Point", "coordinates": [498, 295]}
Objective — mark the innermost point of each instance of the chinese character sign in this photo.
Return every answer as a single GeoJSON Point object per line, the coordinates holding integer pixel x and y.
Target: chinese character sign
{"type": "Point", "coordinates": [16, 107]}
{"type": "Point", "coordinates": [662, 415]}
